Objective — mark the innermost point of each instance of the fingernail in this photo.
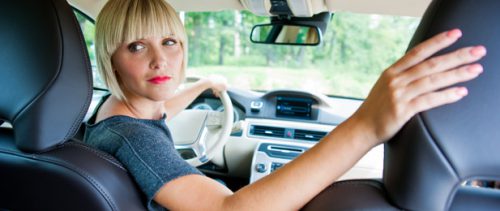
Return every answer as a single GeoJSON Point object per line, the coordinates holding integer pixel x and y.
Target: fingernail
{"type": "Point", "coordinates": [475, 68]}
{"type": "Point", "coordinates": [462, 91]}
{"type": "Point", "coordinates": [454, 33]}
{"type": "Point", "coordinates": [478, 51]}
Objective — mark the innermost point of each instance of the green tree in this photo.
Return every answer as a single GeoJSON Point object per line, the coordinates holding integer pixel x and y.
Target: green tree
{"type": "Point", "coordinates": [355, 49]}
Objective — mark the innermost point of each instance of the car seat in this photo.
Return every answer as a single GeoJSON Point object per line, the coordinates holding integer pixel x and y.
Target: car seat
{"type": "Point", "coordinates": [428, 161]}
{"type": "Point", "coordinates": [45, 91]}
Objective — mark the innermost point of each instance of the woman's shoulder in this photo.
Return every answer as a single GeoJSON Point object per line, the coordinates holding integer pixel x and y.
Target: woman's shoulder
{"type": "Point", "coordinates": [126, 125]}
{"type": "Point", "coordinates": [110, 108]}
{"type": "Point", "coordinates": [117, 131]}
{"type": "Point", "coordinates": [114, 120]}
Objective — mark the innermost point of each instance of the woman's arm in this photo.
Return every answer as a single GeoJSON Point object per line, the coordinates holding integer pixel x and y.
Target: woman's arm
{"type": "Point", "coordinates": [183, 98]}
{"type": "Point", "coordinates": [413, 84]}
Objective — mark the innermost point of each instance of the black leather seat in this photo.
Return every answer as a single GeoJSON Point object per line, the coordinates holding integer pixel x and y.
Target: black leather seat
{"type": "Point", "coordinates": [427, 162]}
{"type": "Point", "coordinates": [45, 91]}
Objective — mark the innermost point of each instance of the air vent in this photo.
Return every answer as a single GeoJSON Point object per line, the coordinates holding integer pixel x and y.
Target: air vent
{"type": "Point", "coordinates": [309, 135]}
{"type": "Point", "coordinates": [258, 130]}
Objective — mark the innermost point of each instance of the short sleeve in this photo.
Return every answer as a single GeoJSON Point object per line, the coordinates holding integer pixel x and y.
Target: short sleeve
{"type": "Point", "coordinates": [149, 155]}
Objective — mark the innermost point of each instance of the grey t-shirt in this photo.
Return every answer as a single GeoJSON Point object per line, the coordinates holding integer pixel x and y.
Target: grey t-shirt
{"type": "Point", "coordinates": [144, 147]}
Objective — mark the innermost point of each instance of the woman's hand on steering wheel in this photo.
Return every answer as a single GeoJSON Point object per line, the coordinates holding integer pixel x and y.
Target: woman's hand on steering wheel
{"type": "Point", "coordinates": [217, 83]}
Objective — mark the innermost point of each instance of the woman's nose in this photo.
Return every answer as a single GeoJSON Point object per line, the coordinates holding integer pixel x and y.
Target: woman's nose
{"type": "Point", "coordinates": [158, 60]}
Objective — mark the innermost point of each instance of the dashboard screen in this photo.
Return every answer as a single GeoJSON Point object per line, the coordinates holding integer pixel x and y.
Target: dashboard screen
{"type": "Point", "coordinates": [294, 107]}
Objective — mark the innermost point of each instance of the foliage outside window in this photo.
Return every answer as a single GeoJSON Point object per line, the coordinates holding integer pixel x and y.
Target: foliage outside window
{"type": "Point", "coordinates": [88, 30]}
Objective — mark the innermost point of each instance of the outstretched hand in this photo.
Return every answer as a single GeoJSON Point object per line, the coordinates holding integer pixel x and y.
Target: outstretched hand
{"type": "Point", "coordinates": [416, 83]}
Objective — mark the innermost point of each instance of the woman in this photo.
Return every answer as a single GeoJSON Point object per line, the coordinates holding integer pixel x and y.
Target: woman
{"type": "Point", "coordinates": [141, 50]}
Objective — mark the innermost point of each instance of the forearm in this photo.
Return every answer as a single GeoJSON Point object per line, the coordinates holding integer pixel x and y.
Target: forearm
{"type": "Point", "coordinates": [184, 97]}
{"type": "Point", "coordinates": [300, 180]}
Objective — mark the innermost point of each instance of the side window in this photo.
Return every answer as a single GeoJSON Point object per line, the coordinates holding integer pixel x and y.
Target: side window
{"type": "Point", "coordinates": [88, 30]}
{"type": "Point", "coordinates": [100, 91]}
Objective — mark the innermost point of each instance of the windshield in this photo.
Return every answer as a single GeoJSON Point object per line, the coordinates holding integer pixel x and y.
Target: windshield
{"type": "Point", "coordinates": [356, 48]}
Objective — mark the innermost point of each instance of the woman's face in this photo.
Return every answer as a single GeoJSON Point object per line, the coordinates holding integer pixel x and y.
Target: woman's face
{"type": "Point", "coordinates": [149, 68]}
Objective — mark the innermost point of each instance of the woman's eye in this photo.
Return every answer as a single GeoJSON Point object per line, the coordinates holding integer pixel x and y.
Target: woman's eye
{"type": "Point", "coordinates": [169, 42]}
{"type": "Point", "coordinates": [134, 47]}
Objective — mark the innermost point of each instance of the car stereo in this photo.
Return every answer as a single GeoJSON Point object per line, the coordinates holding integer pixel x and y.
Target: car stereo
{"type": "Point", "coordinates": [293, 107]}
{"type": "Point", "coordinates": [269, 157]}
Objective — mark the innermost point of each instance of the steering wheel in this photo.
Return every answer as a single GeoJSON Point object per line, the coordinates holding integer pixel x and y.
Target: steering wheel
{"type": "Point", "coordinates": [200, 135]}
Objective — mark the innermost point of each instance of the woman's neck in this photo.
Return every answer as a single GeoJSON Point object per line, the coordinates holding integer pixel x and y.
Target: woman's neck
{"type": "Point", "coordinates": [136, 108]}
{"type": "Point", "coordinates": [144, 108]}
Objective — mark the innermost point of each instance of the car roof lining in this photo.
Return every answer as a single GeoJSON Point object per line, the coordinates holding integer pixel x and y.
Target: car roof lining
{"type": "Point", "coordinates": [383, 7]}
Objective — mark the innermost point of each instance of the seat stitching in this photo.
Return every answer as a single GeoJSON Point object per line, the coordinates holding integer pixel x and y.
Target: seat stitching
{"type": "Point", "coordinates": [89, 81]}
{"type": "Point", "coordinates": [68, 166]}
{"type": "Point", "coordinates": [85, 148]}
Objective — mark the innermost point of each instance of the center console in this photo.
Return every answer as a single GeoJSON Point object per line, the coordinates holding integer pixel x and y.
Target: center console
{"type": "Point", "coordinates": [268, 157]}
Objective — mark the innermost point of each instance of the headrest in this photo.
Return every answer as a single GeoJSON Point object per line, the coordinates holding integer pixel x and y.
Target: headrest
{"type": "Point", "coordinates": [439, 149]}
{"type": "Point", "coordinates": [45, 78]}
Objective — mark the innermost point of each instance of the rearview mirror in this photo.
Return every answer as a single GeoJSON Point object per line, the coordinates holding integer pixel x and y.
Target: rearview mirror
{"type": "Point", "coordinates": [286, 34]}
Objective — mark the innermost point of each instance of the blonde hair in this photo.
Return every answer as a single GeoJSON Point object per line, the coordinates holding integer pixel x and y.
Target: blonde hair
{"type": "Point", "coordinates": [122, 21]}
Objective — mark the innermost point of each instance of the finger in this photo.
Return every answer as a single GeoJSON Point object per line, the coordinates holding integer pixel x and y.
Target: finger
{"type": "Point", "coordinates": [443, 63]}
{"type": "Point", "coordinates": [443, 79]}
{"type": "Point", "coordinates": [427, 48]}
{"type": "Point", "coordinates": [216, 93]}
{"type": "Point", "coordinates": [439, 98]}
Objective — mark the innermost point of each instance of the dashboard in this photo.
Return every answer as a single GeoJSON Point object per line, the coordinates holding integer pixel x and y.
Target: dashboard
{"type": "Point", "coordinates": [284, 105]}
{"type": "Point", "coordinates": [272, 128]}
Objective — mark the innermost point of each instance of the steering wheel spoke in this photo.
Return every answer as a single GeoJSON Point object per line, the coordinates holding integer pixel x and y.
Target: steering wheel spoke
{"type": "Point", "coordinates": [215, 119]}
{"type": "Point", "coordinates": [198, 147]}
{"type": "Point", "coordinates": [201, 133]}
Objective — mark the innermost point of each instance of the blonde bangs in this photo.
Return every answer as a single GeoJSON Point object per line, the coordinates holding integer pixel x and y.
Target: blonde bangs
{"type": "Point", "coordinates": [151, 18]}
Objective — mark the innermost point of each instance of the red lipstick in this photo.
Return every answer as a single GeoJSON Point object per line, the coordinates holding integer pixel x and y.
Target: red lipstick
{"type": "Point", "coordinates": [159, 79]}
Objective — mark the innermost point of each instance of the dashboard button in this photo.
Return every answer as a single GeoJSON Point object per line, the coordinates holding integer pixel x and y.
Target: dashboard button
{"type": "Point", "coordinates": [260, 167]}
{"type": "Point", "coordinates": [255, 106]}
{"type": "Point", "coordinates": [275, 166]}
